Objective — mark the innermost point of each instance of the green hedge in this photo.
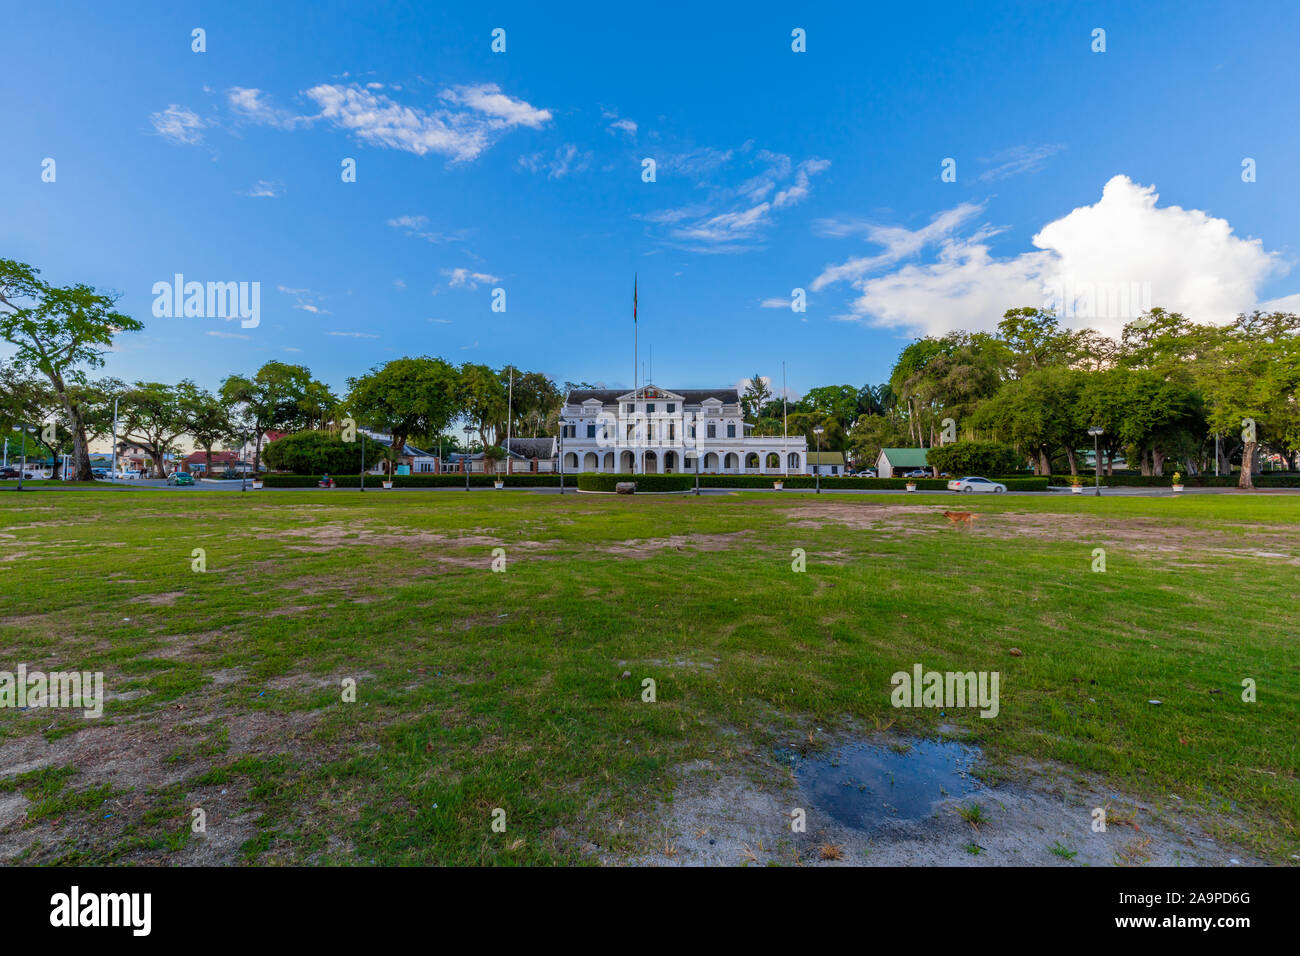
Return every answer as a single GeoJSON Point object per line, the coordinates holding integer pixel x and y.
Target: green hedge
{"type": "Point", "coordinates": [416, 481]}
{"type": "Point", "coordinates": [592, 481]}
{"type": "Point", "coordinates": [1191, 481]}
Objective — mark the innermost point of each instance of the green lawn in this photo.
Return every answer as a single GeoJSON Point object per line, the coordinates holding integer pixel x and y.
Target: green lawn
{"type": "Point", "coordinates": [479, 690]}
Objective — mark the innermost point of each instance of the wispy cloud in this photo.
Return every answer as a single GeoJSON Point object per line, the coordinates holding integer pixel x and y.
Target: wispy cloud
{"type": "Point", "coordinates": [473, 119]}
{"type": "Point", "coordinates": [255, 106]}
{"type": "Point", "coordinates": [226, 335]}
{"type": "Point", "coordinates": [305, 300]}
{"type": "Point", "coordinates": [565, 160]}
{"type": "Point", "coordinates": [353, 335]}
{"type": "Point", "coordinates": [414, 226]}
{"type": "Point", "coordinates": [735, 218]}
{"type": "Point", "coordinates": [178, 125]}
{"type": "Point", "coordinates": [1017, 160]}
{"type": "Point", "coordinates": [264, 189]}
{"type": "Point", "coordinates": [465, 279]}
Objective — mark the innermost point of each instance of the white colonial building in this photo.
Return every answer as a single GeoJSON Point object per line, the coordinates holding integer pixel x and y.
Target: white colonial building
{"type": "Point", "coordinates": [656, 430]}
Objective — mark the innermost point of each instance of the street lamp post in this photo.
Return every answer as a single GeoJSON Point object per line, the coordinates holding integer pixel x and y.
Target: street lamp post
{"type": "Point", "coordinates": [697, 469]}
{"type": "Point", "coordinates": [817, 468]}
{"type": "Point", "coordinates": [561, 456]}
{"type": "Point", "coordinates": [363, 461]}
{"type": "Point", "coordinates": [465, 458]}
{"type": "Point", "coordinates": [1096, 434]}
{"type": "Point", "coordinates": [24, 429]}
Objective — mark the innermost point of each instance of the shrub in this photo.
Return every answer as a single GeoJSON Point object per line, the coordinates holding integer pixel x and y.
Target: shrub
{"type": "Point", "coordinates": [313, 453]}
{"type": "Point", "coordinates": [591, 481]}
{"type": "Point", "coordinates": [962, 458]}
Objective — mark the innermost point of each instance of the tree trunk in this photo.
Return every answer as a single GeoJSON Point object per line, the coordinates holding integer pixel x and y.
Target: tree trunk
{"type": "Point", "coordinates": [257, 454]}
{"type": "Point", "coordinates": [1157, 462]}
{"type": "Point", "coordinates": [1044, 463]}
{"type": "Point", "coordinates": [80, 447]}
{"type": "Point", "coordinates": [1247, 466]}
{"type": "Point", "coordinates": [1074, 463]}
{"type": "Point", "coordinates": [158, 466]}
{"type": "Point", "coordinates": [207, 453]}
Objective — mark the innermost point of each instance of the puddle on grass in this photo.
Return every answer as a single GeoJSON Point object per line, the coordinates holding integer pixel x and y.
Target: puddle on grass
{"type": "Point", "coordinates": [866, 786]}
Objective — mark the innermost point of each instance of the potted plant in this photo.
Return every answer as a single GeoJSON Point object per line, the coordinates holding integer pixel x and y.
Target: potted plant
{"type": "Point", "coordinates": [1076, 485]}
{"type": "Point", "coordinates": [388, 482]}
{"type": "Point", "coordinates": [778, 484]}
{"type": "Point", "coordinates": [257, 482]}
{"type": "Point", "coordinates": [1178, 482]}
{"type": "Point", "coordinates": [911, 485]}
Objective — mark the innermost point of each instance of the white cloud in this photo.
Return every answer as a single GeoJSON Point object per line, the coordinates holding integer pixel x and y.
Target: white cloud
{"type": "Point", "coordinates": [735, 218]}
{"type": "Point", "coordinates": [256, 106]}
{"type": "Point", "coordinates": [226, 335]}
{"type": "Point", "coordinates": [264, 189]}
{"type": "Point", "coordinates": [353, 335]}
{"type": "Point", "coordinates": [399, 284]}
{"type": "Point", "coordinates": [1181, 259]}
{"type": "Point", "coordinates": [1017, 160]}
{"type": "Point", "coordinates": [463, 134]}
{"type": "Point", "coordinates": [774, 304]}
{"type": "Point", "coordinates": [414, 226]}
{"type": "Point", "coordinates": [178, 125]}
{"type": "Point", "coordinates": [567, 159]}
{"type": "Point", "coordinates": [463, 278]}
{"type": "Point", "coordinates": [799, 191]}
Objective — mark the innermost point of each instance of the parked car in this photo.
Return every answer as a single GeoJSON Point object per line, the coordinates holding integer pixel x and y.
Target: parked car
{"type": "Point", "coordinates": [918, 473]}
{"type": "Point", "coordinates": [180, 478]}
{"type": "Point", "coordinates": [969, 485]}
{"type": "Point", "coordinates": [99, 473]}
{"type": "Point", "coordinates": [8, 472]}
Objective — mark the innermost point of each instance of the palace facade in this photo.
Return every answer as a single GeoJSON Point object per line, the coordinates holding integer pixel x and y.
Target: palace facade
{"type": "Point", "coordinates": [656, 430]}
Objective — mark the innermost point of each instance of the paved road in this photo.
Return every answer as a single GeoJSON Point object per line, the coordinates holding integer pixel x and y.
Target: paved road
{"type": "Point", "coordinates": [828, 489]}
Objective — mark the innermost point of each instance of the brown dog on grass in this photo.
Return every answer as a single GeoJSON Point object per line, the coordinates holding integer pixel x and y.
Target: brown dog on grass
{"type": "Point", "coordinates": [960, 517]}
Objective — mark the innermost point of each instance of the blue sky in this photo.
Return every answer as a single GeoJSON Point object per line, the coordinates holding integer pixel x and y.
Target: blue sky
{"type": "Point", "coordinates": [522, 170]}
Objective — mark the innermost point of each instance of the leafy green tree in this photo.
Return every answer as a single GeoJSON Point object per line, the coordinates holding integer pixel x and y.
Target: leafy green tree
{"type": "Point", "coordinates": [482, 398]}
{"type": "Point", "coordinates": [870, 434]}
{"type": "Point", "coordinates": [1036, 414]}
{"type": "Point", "coordinates": [322, 452]}
{"type": "Point", "coordinates": [208, 421]}
{"type": "Point", "coordinates": [409, 398]}
{"type": "Point", "coordinates": [154, 415]}
{"type": "Point", "coordinates": [756, 395]}
{"type": "Point", "coordinates": [59, 331]}
{"type": "Point", "coordinates": [962, 458]}
{"type": "Point", "coordinates": [272, 399]}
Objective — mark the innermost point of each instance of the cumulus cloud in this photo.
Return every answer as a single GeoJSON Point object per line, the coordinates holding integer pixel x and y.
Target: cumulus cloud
{"type": "Point", "coordinates": [178, 125]}
{"type": "Point", "coordinates": [1100, 266]}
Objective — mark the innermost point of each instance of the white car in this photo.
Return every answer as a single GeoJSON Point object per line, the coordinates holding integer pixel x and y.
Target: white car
{"type": "Point", "coordinates": [976, 484]}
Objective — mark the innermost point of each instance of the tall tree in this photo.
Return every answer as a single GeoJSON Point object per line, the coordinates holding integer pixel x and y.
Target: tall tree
{"type": "Point", "coordinates": [271, 399]}
{"type": "Point", "coordinates": [154, 415]}
{"type": "Point", "coordinates": [407, 397]}
{"type": "Point", "coordinates": [59, 331]}
{"type": "Point", "coordinates": [755, 395]}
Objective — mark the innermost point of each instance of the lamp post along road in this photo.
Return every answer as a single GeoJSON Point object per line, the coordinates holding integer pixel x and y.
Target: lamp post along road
{"type": "Point", "coordinates": [1096, 434]}
{"type": "Point", "coordinates": [465, 458]}
{"type": "Point", "coordinates": [562, 456]}
{"type": "Point", "coordinates": [817, 468]}
{"type": "Point", "coordinates": [363, 461]}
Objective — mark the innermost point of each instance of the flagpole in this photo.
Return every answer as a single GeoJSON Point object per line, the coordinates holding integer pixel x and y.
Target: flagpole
{"type": "Point", "coordinates": [510, 405]}
{"type": "Point", "coordinates": [785, 425]}
{"type": "Point", "coordinates": [635, 360]}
